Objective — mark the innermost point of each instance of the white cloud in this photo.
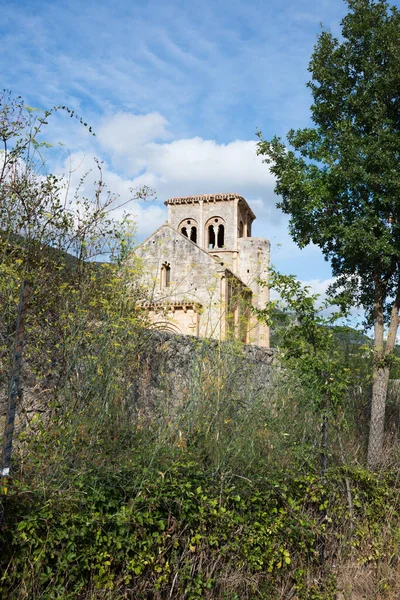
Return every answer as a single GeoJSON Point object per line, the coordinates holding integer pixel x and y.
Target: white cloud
{"type": "Point", "coordinates": [148, 216]}
{"type": "Point", "coordinates": [136, 153]}
{"type": "Point", "coordinates": [318, 286]}
{"type": "Point", "coordinates": [133, 143]}
{"type": "Point", "coordinates": [126, 137]}
{"type": "Point", "coordinates": [207, 68]}
{"type": "Point", "coordinates": [355, 316]}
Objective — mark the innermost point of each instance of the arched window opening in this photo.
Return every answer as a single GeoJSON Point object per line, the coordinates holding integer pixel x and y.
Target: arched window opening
{"type": "Point", "coordinates": [221, 236]}
{"type": "Point", "coordinates": [188, 228]}
{"type": "Point", "coordinates": [211, 236]}
{"type": "Point", "coordinates": [165, 275]}
{"type": "Point", "coordinates": [215, 233]}
{"type": "Point", "coordinates": [249, 226]}
{"type": "Point", "coordinates": [241, 229]}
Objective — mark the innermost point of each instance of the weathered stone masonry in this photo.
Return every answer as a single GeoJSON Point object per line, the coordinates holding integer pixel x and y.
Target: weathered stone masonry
{"type": "Point", "coordinates": [202, 270]}
{"type": "Point", "coordinates": [169, 366]}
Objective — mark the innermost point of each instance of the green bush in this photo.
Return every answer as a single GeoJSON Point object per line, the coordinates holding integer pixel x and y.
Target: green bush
{"type": "Point", "coordinates": [176, 529]}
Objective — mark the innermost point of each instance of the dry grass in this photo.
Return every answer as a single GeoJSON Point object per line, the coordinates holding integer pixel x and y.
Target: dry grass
{"type": "Point", "coordinates": [379, 581]}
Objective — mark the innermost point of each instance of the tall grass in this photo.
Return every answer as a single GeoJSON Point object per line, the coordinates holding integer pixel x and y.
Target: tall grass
{"type": "Point", "coordinates": [131, 485]}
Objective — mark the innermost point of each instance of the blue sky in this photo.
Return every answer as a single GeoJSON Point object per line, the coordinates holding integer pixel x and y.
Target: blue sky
{"type": "Point", "coordinates": [175, 91]}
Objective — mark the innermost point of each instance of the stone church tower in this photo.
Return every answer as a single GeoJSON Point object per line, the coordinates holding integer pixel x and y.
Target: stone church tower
{"type": "Point", "coordinates": [203, 268]}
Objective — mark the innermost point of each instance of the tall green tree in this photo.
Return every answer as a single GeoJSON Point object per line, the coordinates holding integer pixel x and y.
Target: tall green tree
{"type": "Point", "coordinates": [339, 179]}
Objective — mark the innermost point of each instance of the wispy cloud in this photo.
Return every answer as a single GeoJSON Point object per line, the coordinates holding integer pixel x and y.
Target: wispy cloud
{"type": "Point", "coordinates": [138, 150]}
{"type": "Point", "coordinates": [213, 69]}
{"type": "Point", "coordinates": [135, 155]}
{"type": "Point", "coordinates": [175, 91]}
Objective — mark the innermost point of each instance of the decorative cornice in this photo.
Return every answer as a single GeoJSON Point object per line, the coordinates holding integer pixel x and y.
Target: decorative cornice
{"type": "Point", "coordinates": [227, 197]}
{"type": "Point", "coordinates": [166, 304]}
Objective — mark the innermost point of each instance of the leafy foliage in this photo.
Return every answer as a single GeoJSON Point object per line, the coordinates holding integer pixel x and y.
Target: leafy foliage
{"type": "Point", "coordinates": [50, 237]}
{"type": "Point", "coordinates": [308, 341]}
{"type": "Point", "coordinates": [339, 183]}
{"type": "Point", "coordinates": [124, 528]}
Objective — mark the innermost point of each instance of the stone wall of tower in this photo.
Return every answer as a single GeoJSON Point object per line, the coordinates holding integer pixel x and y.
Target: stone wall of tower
{"type": "Point", "coordinates": [254, 260]}
{"type": "Point", "coordinates": [220, 277]}
{"type": "Point", "coordinates": [203, 212]}
{"type": "Point", "coordinates": [193, 300]}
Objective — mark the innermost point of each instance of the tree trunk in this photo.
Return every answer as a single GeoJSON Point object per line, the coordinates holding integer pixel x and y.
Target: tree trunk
{"type": "Point", "coordinates": [381, 370]}
{"type": "Point", "coordinates": [377, 421]}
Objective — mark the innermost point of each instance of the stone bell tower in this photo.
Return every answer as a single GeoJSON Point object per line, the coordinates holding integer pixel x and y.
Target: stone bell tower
{"type": "Point", "coordinates": [221, 225]}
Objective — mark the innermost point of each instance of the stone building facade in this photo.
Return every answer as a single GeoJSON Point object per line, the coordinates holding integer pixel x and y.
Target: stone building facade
{"type": "Point", "coordinates": [202, 270]}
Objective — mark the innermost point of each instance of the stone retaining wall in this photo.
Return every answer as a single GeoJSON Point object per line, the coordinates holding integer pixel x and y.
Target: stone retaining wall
{"type": "Point", "coordinates": [171, 366]}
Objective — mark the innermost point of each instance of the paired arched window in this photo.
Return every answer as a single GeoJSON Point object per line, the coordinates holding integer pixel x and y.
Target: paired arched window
{"type": "Point", "coordinates": [188, 228]}
{"type": "Point", "coordinates": [215, 233]}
